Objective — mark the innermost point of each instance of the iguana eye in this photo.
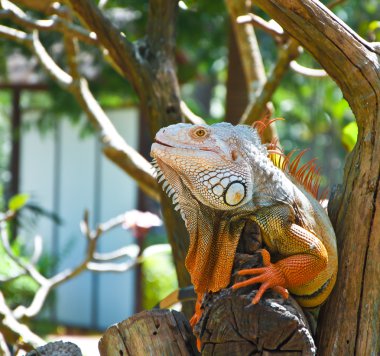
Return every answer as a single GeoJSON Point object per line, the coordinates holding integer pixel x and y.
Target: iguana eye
{"type": "Point", "coordinates": [200, 132]}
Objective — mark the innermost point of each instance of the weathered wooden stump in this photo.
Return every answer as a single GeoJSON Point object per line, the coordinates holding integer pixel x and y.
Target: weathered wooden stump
{"type": "Point", "coordinates": [230, 324]}
{"type": "Point", "coordinates": [154, 332]}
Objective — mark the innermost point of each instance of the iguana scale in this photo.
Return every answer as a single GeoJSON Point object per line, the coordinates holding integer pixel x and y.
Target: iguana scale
{"type": "Point", "coordinates": [220, 176]}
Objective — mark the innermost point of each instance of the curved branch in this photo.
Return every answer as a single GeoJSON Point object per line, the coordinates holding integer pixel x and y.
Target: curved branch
{"type": "Point", "coordinates": [48, 63]}
{"type": "Point", "coordinates": [14, 13]}
{"type": "Point", "coordinates": [115, 147]}
{"type": "Point", "coordinates": [248, 47]}
{"type": "Point", "coordinates": [308, 72]}
{"type": "Point", "coordinates": [257, 108]}
{"type": "Point", "coordinates": [333, 44]}
{"type": "Point", "coordinates": [18, 334]}
{"type": "Point", "coordinates": [121, 52]}
{"type": "Point", "coordinates": [190, 116]}
{"type": "Point", "coordinates": [253, 66]}
{"type": "Point", "coordinates": [272, 28]}
{"type": "Point", "coordinates": [12, 34]}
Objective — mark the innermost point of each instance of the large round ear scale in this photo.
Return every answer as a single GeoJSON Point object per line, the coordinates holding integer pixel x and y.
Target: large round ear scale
{"type": "Point", "coordinates": [235, 193]}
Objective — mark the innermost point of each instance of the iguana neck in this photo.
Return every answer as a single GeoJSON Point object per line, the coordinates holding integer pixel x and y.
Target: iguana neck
{"type": "Point", "coordinates": [213, 240]}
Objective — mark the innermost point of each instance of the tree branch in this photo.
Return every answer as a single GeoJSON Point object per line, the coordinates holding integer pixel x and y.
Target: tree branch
{"type": "Point", "coordinates": [14, 35]}
{"type": "Point", "coordinates": [28, 268]}
{"type": "Point", "coordinates": [252, 64]}
{"type": "Point", "coordinates": [115, 147]}
{"type": "Point", "coordinates": [190, 116]}
{"type": "Point", "coordinates": [120, 51]}
{"type": "Point", "coordinates": [308, 72]}
{"type": "Point", "coordinates": [131, 251]}
{"type": "Point", "coordinates": [48, 63]}
{"type": "Point", "coordinates": [248, 47]}
{"type": "Point", "coordinates": [4, 350]}
{"type": "Point", "coordinates": [337, 54]}
{"type": "Point", "coordinates": [47, 284]}
{"type": "Point", "coordinates": [14, 13]}
{"type": "Point", "coordinates": [272, 28]}
{"type": "Point", "coordinates": [257, 108]}
{"type": "Point", "coordinates": [17, 333]}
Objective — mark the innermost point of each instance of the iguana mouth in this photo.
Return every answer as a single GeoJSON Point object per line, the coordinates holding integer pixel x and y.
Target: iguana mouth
{"type": "Point", "coordinates": [163, 143]}
{"type": "Point", "coordinates": [206, 149]}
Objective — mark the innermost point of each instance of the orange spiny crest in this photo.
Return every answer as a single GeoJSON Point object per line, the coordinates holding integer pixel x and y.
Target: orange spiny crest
{"type": "Point", "coordinates": [275, 153]}
{"type": "Point", "coordinates": [308, 174]}
{"type": "Point", "coordinates": [261, 125]}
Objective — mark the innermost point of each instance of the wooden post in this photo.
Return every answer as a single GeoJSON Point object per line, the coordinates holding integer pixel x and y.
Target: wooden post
{"type": "Point", "coordinates": [154, 332]}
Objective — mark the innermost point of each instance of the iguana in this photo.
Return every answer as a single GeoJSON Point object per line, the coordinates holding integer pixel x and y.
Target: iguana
{"type": "Point", "coordinates": [220, 176]}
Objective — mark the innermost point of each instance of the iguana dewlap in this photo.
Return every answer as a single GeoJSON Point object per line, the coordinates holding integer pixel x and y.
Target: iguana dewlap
{"type": "Point", "coordinates": [219, 176]}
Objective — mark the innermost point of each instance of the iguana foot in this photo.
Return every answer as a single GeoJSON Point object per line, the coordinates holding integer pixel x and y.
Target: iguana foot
{"type": "Point", "coordinates": [271, 276]}
{"type": "Point", "coordinates": [198, 312]}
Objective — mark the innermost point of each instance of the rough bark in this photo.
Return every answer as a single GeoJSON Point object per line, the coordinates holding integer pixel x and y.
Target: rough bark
{"type": "Point", "coordinates": [156, 332]}
{"type": "Point", "coordinates": [163, 108]}
{"type": "Point", "coordinates": [355, 208]}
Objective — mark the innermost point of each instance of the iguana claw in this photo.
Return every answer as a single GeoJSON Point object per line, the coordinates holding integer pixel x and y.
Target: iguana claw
{"type": "Point", "coordinates": [196, 317]}
{"type": "Point", "coordinates": [271, 276]}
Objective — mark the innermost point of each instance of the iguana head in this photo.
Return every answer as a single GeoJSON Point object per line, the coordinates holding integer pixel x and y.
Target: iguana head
{"type": "Point", "coordinates": [211, 160]}
{"type": "Point", "coordinates": [207, 170]}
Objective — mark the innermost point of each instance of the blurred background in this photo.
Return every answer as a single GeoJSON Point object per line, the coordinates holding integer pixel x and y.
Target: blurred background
{"type": "Point", "coordinates": [52, 169]}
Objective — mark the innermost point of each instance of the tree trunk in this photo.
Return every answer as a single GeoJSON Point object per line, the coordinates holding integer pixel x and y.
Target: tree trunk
{"type": "Point", "coordinates": [353, 308]}
{"type": "Point", "coordinates": [149, 65]}
{"type": "Point", "coordinates": [237, 94]}
{"type": "Point", "coordinates": [162, 104]}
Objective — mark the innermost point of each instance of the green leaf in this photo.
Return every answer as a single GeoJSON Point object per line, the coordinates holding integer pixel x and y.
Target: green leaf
{"type": "Point", "coordinates": [350, 135]}
{"type": "Point", "coordinates": [18, 201]}
{"type": "Point", "coordinates": [374, 25]}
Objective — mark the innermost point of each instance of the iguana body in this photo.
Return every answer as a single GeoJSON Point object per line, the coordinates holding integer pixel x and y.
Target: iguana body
{"type": "Point", "coordinates": [219, 177]}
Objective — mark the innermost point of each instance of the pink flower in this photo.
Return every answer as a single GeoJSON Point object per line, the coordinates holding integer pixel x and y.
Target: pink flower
{"type": "Point", "coordinates": [140, 222]}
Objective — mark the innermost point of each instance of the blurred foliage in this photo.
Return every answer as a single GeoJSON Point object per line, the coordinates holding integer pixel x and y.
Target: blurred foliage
{"type": "Point", "coordinates": [349, 135]}
{"type": "Point", "coordinates": [159, 275]}
{"type": "Point", "coordinates": [22, 289]}
{"type": "Point", "coordinates": [18, 201]}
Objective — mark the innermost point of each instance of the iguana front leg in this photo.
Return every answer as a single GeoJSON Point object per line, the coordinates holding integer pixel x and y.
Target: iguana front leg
{"type": "Point", "coordinates": [307, 257]}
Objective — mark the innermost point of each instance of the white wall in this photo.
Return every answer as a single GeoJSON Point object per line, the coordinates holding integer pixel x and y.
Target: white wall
{"type": "Point", "coordinates": [67, 174]}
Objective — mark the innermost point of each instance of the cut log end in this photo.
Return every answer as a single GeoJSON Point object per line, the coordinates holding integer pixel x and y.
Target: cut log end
{"type": "Point", "coordinates": [232, 325]}
{"type": "Point", "coordinates": [157, 332]}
